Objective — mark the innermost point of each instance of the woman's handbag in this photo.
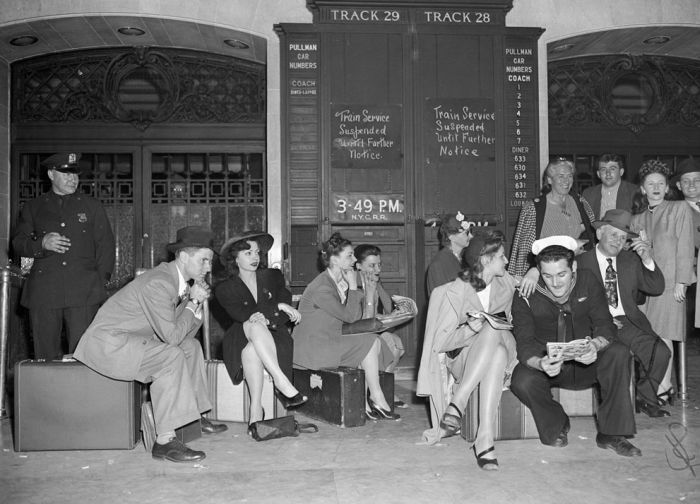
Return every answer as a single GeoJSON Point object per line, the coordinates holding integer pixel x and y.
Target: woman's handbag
{"type": "Point", "coordinates": [274, 428]}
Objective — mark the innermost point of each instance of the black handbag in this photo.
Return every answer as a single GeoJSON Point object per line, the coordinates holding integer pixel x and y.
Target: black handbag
{"type": "Point", "coordinates": [274, 428]}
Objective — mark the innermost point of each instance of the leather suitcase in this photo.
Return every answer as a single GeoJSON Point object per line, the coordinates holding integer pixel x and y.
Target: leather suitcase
{"type": "Point", "coordinates": [513, 420]}
{"type": "Point", "coordinates": [231, 403]}
{"type": "Point", "coordinates": [336, 395]}
{"type": "Point", "coordinates": [68, 406]}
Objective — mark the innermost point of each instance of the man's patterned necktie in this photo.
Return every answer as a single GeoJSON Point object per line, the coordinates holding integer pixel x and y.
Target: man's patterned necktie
{"type": "Point", "coordinates": [611, 284]}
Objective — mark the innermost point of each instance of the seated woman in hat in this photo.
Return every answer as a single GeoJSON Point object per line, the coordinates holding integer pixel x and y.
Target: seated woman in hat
{"type": "Point", "coordinates": [477, 354]}
{"type": "Point", "coordinates": [331, 299]}
{"type": "Point", "coordinates": [258, 301]}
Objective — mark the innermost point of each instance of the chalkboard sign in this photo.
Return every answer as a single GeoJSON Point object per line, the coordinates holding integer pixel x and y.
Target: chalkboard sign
{"type": "Point", "coordinates": [460, 130]}
{"type": "Point", "coordinates": [365, 136]}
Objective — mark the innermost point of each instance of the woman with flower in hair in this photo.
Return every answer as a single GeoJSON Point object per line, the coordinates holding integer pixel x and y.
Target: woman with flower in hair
{"type": "Point", "coordinates": [258, 301]}
{"type": "Point", "coordinates": [668, 225]}
{"type": "Point", "coordinates": [454, 234]}
{"type": "Point", "coordinates": [329, 301]}
{"type": "Point", "coordinates": [476, 353]}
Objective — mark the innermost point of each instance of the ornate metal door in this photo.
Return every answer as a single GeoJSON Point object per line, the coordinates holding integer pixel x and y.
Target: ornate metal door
{"type": "Point", "coordinates": [152, 191]}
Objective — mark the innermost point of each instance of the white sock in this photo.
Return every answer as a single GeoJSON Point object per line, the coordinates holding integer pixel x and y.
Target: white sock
{"type": "Point", "coordinates": [165, 437]}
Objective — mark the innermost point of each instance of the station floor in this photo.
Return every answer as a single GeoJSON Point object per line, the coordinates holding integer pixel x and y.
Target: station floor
{"type": "Point", "coordinates": [381, 462]}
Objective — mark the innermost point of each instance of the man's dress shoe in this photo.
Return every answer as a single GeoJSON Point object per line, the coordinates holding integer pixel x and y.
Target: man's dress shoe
{"type": "Point", "coordinates": [563, 438]}
{"type": "Point", "coordinates": [618, 444]}
{"type": "Point", "coordinates": [176, 451]}
{"type": "Point", "coordinates": [651, 410]}
{"type": "Point", "coordinates": [212, 428]}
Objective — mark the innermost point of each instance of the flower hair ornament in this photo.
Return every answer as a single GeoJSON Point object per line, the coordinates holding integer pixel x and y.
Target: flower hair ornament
{"type": "Point", "coordinates": [465, 224]}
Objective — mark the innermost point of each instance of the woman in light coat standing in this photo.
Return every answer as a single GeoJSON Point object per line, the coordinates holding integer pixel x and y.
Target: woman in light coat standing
{"type": "Point", "coordinates": [669, 227]}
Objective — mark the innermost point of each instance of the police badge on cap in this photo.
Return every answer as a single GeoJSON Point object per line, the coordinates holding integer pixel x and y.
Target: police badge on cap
{"type": "Point", "coordinates": [64, 162]}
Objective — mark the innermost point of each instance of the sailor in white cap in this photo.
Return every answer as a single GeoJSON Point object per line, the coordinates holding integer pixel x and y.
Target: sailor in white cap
{"type": "Point", "coordinates": [571, 305]}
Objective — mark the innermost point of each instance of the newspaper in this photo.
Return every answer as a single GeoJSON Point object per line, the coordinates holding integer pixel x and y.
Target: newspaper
{"type": "Point", "coordinates": [495, 321]}
{"type": "Point", "coordinates": [405, 310]}
{"type": "Point", "coordinates": [567, 350]}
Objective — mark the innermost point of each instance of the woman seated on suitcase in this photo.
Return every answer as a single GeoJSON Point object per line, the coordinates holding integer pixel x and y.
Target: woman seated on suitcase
{"type": "Point", "coordinates": [258, 301]}
{"type": "Point", "coordinates": [331, 299]}
{"type": "Point", "coordinates": [476, 353]}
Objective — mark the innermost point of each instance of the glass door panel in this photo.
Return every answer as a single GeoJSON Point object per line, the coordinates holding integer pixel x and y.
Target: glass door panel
{"type": "Point", "coordinates": [223, 190]}
{"type": "Point", "coordinates": [108, 177]}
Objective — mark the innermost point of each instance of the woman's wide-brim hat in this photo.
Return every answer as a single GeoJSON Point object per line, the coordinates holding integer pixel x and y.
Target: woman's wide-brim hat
{"type": "Point", "coordinates": [264, 240]}
{"type": "Point", "coordinates": [192, 237]}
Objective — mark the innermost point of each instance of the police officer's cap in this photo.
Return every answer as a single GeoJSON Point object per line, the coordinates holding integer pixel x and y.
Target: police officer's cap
{"type": "Point", "coordinates": [64, 162]}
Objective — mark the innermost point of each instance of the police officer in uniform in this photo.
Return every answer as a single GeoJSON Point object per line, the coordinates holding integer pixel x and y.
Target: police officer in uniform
{"type": "Point", "coordinates": [71, 241]}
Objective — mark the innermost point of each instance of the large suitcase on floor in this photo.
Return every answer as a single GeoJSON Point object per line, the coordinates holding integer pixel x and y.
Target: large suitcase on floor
{"type": "Point", "coordinates": [513, 420]}
{"type": "Point", "coordinates": [231, 403]}
{"type": "Point", "coordinates": [68, 406]}
{"type": "Point", "coordinates": [337, 395]}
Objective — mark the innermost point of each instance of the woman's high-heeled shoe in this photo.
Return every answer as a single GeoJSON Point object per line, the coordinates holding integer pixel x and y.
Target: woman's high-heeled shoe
{"type": "Point", "coordinates": [291, 402]}
{"type": "Point", "coordinates": [381, 412]}
{"type": "Point", "coordinates": [484, 463]}
{"type": "Point", "coordinates": [450, 423]}
{"type": "Point", "coordinates": [253, 428]}
{"type": "Point", "coordinates": [667, 397]}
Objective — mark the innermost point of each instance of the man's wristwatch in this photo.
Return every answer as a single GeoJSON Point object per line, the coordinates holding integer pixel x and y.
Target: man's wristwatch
{"type": "Point", "coordinates": [196, 302]}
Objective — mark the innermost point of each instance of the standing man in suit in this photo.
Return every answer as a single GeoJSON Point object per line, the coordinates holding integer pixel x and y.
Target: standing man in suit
{"type": "Point", "coordinates": [687, 179]}
{"type": "Point", "coordinates": [570, 304]}
{"type": "Point", "coordinates": [146, 332]}
{"type": "Point", "coordinates": [70, 239]}
{"type": "Point", "coordinates": [623, 274]}
{"type": "Point", "coordinates": [613, 192]}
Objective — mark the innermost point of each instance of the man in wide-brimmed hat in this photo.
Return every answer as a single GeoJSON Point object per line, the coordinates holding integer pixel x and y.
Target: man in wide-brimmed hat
{"type": "Point", "coordinates": [623, 274]}
{"type": "Point", "coordinates": [70, 239]}
{"type": "Point", "coordinates": [146, 332]}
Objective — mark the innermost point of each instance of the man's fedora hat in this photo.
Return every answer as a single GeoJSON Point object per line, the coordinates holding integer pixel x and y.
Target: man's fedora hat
{"type": "Point", "coordinates": [688, 165]}
{"type": "Point", "coordinates": [192, 236]}
{"type": "Point", "coordinates": [64, 162]}
{"type": "Point", "coordinates": [617, 218]}
{"type": "Point", "coordinates": [264, 240]}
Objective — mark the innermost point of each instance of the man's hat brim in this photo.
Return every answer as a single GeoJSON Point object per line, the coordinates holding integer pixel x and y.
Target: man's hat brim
{"type": "Point", "coordinates": [600, 223]}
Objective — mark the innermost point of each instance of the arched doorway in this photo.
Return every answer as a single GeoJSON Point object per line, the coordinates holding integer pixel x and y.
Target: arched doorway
{"type": "Point", "coordinates": [632, 92]}
{"type": "Point", "coordinates": [169, 138]}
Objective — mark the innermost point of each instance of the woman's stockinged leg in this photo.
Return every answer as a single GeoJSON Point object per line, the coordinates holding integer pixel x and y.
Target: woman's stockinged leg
{"type": "Point", "coordinates": [478, 364]}
{"type": "Point", "coordinates": [253, 372]}
{"type": "Point", "coordinates": [489, 398]}
{"type": "Point", "coordinates": [666, 383]}
{"type": "Point", "coordinates": [259, 336]}
{"type": "Point", "coordinates": [370, 365]}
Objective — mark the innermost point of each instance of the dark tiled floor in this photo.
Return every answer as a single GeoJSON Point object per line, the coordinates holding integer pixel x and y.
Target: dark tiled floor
{"type": "Point", "coordinates": [382, 462]}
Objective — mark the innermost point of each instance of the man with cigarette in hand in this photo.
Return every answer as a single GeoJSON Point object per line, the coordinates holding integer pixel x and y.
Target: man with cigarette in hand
{"type": "Point", "coordinates": [624, 273]}
{"type": "Point", "coordinates": [146, 332]}
{"type": "Point", "coordinates": [571, 305]}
